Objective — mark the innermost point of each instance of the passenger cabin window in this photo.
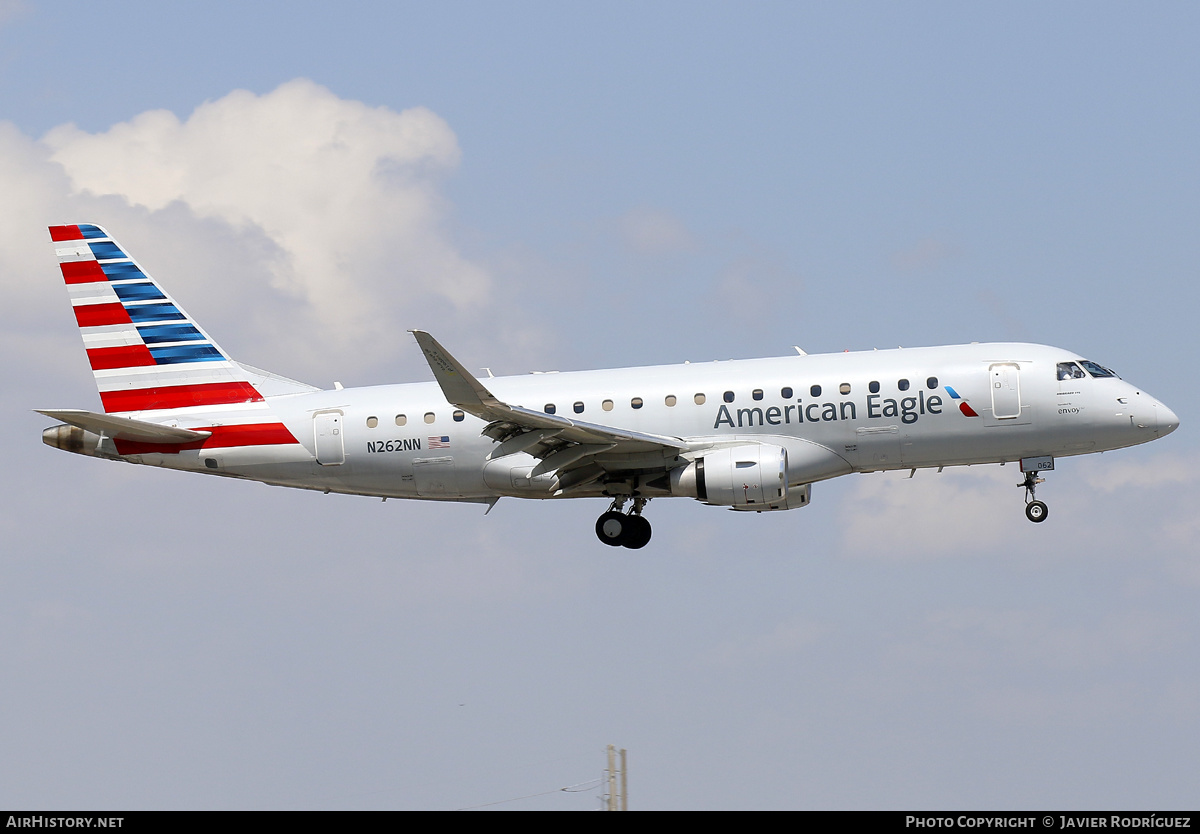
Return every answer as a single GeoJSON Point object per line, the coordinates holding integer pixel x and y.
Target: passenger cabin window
{"type": "Point", "coordinates": [458, 416]}
{"type": "Point", "coordinates": [931, 383]}
{"type": "Point", "coordinates": [607, 405]}
{"type": "Point", "coordinates": [1069, 370]}
{"type": "Point", "coordinates": [698, 399]}
{"type": "Point", "coordinates": [873, 387]}
{"type": "Point", "coordinates": [786, 393]}
{"type": "Point", "coordinates": [1098, 371]}
{"type": "Point", "coordinates": [401, 420]}
{"type": "Point", "coordinates": [549, 409]}
{"type": "Point", "coordinates": [844, 388]}
{"type": "Point", "coordinates": [728, 396]}
{"type": "Point", "coordinates": [815, 391]}
{"type": "Point", "coordinates": [757, 394]}
{"type": "Point", "coordinates": [430, 417]}
{"type": "Point", "coordinates": [372, 422]}
{"type": "Point", "coordinates": [636, 402]}
{"type": "Point", "coordinates": [902, 384]}
{"type": "Point", "coordinates": [670, 401]}
{"type": "Point", "coordinates": [578, 408]}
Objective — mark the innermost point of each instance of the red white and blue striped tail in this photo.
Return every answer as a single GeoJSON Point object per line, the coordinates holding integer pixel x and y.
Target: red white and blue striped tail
{"type": "Point", "coordinates": [146, 352]}
{"type": "Point", "coordinates": [166, 386]}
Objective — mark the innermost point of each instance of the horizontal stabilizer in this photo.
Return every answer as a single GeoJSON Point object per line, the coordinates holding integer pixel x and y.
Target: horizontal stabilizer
{"type": "Point", "coordinates": [122, 428]}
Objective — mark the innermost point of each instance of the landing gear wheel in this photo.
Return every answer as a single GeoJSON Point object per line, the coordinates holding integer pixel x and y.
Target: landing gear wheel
{"type": "Point", "coordinates": [612, 527]}
{"type": "Point", "coordinates": [637, 534]}
{"type": "Point", "coordinates": [1036, 511]}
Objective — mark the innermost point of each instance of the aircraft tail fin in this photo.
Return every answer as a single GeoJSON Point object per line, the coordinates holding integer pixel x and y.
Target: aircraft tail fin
{"type": "Point", "coordinates": [146, 352]}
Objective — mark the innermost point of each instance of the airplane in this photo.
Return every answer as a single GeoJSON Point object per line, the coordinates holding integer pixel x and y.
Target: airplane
{"type": "Point", "coordinates": [749, 435]}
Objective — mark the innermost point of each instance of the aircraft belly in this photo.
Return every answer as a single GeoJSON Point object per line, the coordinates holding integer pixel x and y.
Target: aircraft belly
{"type": "Point", "coordinates": [435, 476]}
{"type": "Point", "coordinates": [876, 447]}
{"type": "Point", "coordinates": [411, 474]}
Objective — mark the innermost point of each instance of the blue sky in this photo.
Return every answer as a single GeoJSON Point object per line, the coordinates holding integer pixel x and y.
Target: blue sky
{"type": "Point", "coordinates": [560, 185]}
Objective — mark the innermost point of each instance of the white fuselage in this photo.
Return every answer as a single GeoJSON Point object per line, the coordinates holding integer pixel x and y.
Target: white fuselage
{"type": "Point", "coordinates": [750, 435]}
{"type": "Point", "coordinates": [834, 413]}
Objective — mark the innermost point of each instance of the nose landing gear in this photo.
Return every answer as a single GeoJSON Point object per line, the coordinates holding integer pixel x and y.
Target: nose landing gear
{"type": "Point", "coordinates": [616, 528]}
{"type": "Point", "coordinates": [1035, 511]}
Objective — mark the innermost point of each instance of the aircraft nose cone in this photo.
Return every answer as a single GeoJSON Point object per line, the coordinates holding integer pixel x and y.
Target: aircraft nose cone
{"type": "Point", "coordinates": [1167, 421]}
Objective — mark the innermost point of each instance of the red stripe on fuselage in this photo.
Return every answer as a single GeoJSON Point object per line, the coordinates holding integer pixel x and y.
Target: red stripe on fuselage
{"type": "Point", "coordinates": [82, 272]}
{"type": "Point", "coordinates": [223, 437]}
{"type": "Point", "coordinates": [65, 233]}
{"type": "Point", "coordinates": [94, 315]}
{"type": "Point", "coordinates": [179, 396]}
{"type": "Point", "coordinates": [124, 356]}
{"type": "Point", "coordinates": [256, 434]}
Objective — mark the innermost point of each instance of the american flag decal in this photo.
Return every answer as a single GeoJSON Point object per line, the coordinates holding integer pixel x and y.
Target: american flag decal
{"type": "Point", "coordinates": [442, 442]}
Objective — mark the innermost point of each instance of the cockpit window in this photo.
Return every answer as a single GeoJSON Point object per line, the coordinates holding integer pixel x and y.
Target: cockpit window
{"type": "Point", "coordinates": [1069, 370]}
{"type": "Point", "coordinates": [1098, 371]}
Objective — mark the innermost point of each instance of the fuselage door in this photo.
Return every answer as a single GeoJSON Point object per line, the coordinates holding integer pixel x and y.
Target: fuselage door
{"type": "Point", "coordinates": [1006, 390]}
{"type": "Point", "coordinates": [330, 445]}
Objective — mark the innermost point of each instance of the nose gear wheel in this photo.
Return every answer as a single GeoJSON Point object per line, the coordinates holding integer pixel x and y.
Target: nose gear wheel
{"type": "Point", "coordinates": [1036, 511]}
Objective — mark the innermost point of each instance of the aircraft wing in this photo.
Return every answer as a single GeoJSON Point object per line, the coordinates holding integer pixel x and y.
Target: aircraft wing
{"type": "Point", "coordinates": [568, 447]}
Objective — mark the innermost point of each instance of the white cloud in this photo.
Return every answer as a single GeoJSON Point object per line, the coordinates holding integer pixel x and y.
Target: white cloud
{"type": "Point", "coordinates": [1033, 665]}
{"type": "Point", "coordinates": [888, 515]}
{"type": "Point", "coordinates": [786, 640]}
{"type": "Point", "coordinates": [33, 190]}
{"type": "Point", "coordinates": [650, 231]}
{"type": "Point", "coordinates": [924, 255]}
{"type": "Point", "coordinates": [10, 9]}
{"type": "Point", "coordinates": [342, 197]}
{"type": "Point", "coordinates": [1161, 470]}
{"type": "Point", "coordinates": [742, 284]}
{"type": "Point", "coordinates": [1132, 504]}
{"type": "Point", "coordinates": [1025, 637]}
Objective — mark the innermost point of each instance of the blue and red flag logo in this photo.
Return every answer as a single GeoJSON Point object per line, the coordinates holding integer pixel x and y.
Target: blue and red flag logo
{"type": "Point", "coordinates": [963, 405]}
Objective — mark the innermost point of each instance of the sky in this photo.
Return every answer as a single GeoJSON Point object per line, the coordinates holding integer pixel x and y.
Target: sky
{"type": "Point", "coordinates": [558, 186]}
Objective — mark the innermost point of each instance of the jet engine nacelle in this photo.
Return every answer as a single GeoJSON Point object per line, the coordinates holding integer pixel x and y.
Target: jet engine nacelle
{"type": "Point", "coordinates": [749, 477]}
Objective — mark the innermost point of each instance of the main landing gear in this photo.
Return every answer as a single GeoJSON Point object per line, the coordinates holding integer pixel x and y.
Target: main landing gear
{"type": "Point", "coordinates": [1035, 511]}
{"type": "Point", "coordinates": [616, 528]}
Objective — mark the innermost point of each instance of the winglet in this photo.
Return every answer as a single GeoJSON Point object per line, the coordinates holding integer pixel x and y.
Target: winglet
{"type": "Point", "coordinates": [460, 387]}
{"type": "Point", "coordinates": [465, 391]}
